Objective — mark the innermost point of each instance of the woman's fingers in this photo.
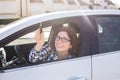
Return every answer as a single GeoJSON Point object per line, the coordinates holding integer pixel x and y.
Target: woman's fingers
{"type": "Point", "coordinates": [37, 34]}
{"type": "Point", "coordinates": [39, 37]}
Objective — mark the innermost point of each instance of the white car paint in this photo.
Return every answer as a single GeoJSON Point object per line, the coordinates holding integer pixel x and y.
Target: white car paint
{"type": "Point", "coordinates": [106, 66]}
{"type": "Point", "coordinates": [76, 69]}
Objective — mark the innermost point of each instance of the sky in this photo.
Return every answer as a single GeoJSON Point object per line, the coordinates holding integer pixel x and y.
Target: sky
{"type": "Point", "coordinates": [116, 2]}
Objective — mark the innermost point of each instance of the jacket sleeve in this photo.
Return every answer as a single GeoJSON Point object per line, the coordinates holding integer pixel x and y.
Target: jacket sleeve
{"type": "Point", "coordinates": [39, 56]}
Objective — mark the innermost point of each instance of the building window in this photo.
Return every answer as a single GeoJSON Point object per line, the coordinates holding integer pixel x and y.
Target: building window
{"type": "Point", "coordinates": [71, 2]}
{"type": "Point", "coordinates": [57, 1]}
{"type": "Point", "coordinates": [36, 1]}
{"type": "Point", "coordinates": [82, 3]}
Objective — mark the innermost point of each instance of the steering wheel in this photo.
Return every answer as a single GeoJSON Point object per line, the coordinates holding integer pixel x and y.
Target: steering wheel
{"type": "Point", "coordinates": [20, 54]}
{"type": "Point", "coordinates": [2, 57]}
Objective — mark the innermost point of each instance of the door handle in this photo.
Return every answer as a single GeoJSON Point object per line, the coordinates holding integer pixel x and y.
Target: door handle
{"type": "Point", "coordinates": [77, 78]}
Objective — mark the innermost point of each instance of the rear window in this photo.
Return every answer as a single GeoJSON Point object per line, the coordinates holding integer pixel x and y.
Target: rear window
{"type": "Point", "coordinates": [108, 33]}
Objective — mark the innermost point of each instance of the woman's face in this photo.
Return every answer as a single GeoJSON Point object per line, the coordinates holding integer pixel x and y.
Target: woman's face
{"type": "Point", "coordinates": [62, 42]}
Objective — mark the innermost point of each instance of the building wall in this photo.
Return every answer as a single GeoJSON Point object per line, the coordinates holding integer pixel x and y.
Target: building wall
{"type": "Point", "coordinates": [9, 9]}
{"type": "Point", "coordinates": [23, 8]}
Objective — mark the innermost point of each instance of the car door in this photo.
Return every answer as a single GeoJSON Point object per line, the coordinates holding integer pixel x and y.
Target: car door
{"type": "Point", "coordinates": [70, 69]}
{"type": "Point", "coordinates": [106, 63]}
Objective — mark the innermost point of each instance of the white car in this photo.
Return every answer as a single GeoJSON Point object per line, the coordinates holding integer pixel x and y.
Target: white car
{"type": "Point", "coordinates": [99, 55]}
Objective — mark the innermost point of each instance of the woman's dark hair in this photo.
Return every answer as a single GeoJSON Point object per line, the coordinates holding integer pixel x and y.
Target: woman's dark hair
{"type": "Point", "coordinates": [74, 51]}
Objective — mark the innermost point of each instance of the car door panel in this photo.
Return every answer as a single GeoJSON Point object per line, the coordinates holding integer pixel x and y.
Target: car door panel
{"type": "Point", "coordinates": [106, 66]}
{"type": "Point", "coordinates": [73, 69]}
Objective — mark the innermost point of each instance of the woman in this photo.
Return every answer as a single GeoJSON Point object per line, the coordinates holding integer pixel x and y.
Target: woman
{"type": "Point", "coordinates": [64, 45]}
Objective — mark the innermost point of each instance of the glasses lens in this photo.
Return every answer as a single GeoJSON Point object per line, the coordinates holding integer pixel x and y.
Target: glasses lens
{"type": "Point", "coordinates": [57, 38]}
{"type": "Point", "coordinates": [63, 39]}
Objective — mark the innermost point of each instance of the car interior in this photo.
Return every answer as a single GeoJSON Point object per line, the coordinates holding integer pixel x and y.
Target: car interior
{"type": "Point", "coordinates": [19, 53]}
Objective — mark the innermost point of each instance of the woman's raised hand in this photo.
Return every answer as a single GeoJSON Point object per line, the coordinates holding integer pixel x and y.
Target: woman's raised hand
{"type": "Point", "coordinates": [39, 37]}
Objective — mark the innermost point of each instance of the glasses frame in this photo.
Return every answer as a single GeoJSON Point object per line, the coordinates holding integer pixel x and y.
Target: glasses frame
{"type": "Point", "coordinates": [63, 39]}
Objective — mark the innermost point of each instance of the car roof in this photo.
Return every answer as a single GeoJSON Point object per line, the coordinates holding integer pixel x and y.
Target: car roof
{"type": "Point", "coordinates": [28, 21]}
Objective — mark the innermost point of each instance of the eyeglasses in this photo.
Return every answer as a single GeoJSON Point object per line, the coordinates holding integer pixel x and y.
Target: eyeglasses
{"type": "Point", "coordinates": [63, 39]}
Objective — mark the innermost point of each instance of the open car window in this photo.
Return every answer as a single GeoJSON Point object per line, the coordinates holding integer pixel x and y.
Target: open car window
{"type": "Point", "coordinates": [22, 46]}
{"type": "Point", "coordinates": [16, 53]}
